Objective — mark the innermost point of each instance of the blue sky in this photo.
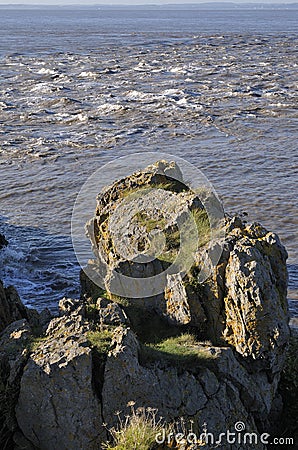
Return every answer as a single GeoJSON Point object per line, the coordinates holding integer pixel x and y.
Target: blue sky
{"type": "Point", "coordinates": [123, 2]}
{"type": "Point", "coordinates": [130, 2]}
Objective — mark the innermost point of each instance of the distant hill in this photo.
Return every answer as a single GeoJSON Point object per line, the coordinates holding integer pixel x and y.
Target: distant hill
{"type": "Point", "coordinates": [204, 6]}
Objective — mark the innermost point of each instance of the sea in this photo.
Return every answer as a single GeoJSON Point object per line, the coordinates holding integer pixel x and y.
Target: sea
{"type": "Point", "coordinates": [81, 87]}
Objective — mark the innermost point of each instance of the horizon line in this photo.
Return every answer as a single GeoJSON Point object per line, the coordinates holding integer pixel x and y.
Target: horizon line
{"type": "Point", "coordinates": [199, 3]}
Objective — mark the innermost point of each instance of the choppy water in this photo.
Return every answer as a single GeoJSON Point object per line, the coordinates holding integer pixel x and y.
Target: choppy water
{"type": "Point", "coordinates": [79, 88]}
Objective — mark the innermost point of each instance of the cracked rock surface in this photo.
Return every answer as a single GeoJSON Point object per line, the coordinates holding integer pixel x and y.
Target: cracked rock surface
{"type": "Point", "coordinates": [57, 406]}
{"type": "Point", "coordinates": [63, 378]}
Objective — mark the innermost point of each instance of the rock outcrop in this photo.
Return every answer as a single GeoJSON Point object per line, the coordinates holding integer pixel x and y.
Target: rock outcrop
{"type": "Point", "coordinates": [3, 241]}
{"type": "Point", "coordinates": [13, 357]}
{"type": "Point", "coordinates": [18, 324]}
{"type": "Point", "coordinates": [11, 307]}
{"type": "Point", "coordinates": [243, 301]}
{"type": "Point", "coordinates": [205, 392]}
{"type": "Point", "coordinates": [65, 387]}
{"type": "Point", "coordinates": [137, 228]}
{"type": "Point", "coordinates": [57, 407]}
{"type": "Point", "coordinates": [210, 350]}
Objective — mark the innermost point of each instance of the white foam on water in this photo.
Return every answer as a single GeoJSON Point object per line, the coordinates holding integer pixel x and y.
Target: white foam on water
{"type": "Point", "coordinates": [107, 108]}
{"type": "Point", "coordinates": [88, 74]}
{"type": "Point", "coordinates": [45, 71]}
{"type": "Point", "coordinates": [225, 101]}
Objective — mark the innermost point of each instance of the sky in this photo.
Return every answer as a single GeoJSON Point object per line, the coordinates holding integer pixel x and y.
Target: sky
{"type": "Point", "coordinates": [131, 2]}
{"type": "Point", "coordinates": [119, 2]}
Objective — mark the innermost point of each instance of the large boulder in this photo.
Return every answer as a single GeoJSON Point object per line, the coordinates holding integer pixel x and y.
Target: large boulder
{"type": "Point", "coordinates": [58, 408]}
{"type": "Point", "coordinates": [137, 227]}
{"type": "Point", "coordinates": [11, 307]}
{"type": "Point", "coordinates": [241, 305]}
{"type": "Point", "coordinates": [243, 300]}
{"type": "Point", "coordinates": [255, 302]}
{"type": "Point", "coordinates": [216, 390]}
{"type": "Point", "coordinates": [14, 354]}
{"type": "Point", "coordinates": [3, 241]}
{"type": "Point", "coordinates": [208, 349]}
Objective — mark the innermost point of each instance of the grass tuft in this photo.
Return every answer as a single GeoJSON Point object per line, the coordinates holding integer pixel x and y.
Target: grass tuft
{"type": "Point", "coordinates": [35, 343]}
{"type": "Point", "coordinates": [101, 340]}
{"type": "Point", "coordinates": [203, 225]}
{"type": "Point", "coordinates": [182, 351]}
{"type": "Point", "coordinates": [137, 432]}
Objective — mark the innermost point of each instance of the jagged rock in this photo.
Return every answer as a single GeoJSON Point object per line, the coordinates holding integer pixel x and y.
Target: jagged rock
{"type": "Point", "coordinates": [256, 304]}
{"type": "Point", "coordinates": [21, 443]}
{"type": "Point", "coordinates": [129, 219]}
{"type": "Point", "coordinates": [14, 341]}
{"type": "Point", "coordinates": [13, 347]}
{"type": "Point", "coordinates": [177, 306]}
{"type": "Point", "coordinates": [11, 307]}
{"type": "Point", "coordinates": [204, 395]}
{"type": "Point", "coordinates": [125, 380]}
{"type": "Point", "coordinates": [57, 407]}
{"type": "Point", "coordinates": [66, 387]}
{"type": "Point", "coordinates": [110, 313]}
{"type": "Point", "coordinates": [3, 241]}
{"type": "Point", "coordinates": [242, 303]}
{"type": "Point", "coordinates": [245, 298]}
{"type": "Point", "coordinates": [39, 321]}
{"type": "Point", "coordinates": [68, 306]}
{"type": "Point", "coordinates": [182, 303]}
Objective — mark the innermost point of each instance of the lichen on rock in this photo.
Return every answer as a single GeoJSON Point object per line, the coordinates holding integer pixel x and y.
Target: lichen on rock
{"type": "Point", "coordinates": [243, 300]}
{"type": "Point", "coordinates": [241, 307]}
{"type": "Point", "coordinates": [57, 407]}
{"type": "Point", "coordinates": [209, 350]}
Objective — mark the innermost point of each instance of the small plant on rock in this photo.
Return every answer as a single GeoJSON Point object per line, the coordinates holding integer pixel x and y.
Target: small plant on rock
{"type": "Point", "coordinates": [137, 432]}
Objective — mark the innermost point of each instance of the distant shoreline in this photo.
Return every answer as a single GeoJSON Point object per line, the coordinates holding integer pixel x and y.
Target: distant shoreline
{"type": "Point", "coordinates": [216, 6]}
